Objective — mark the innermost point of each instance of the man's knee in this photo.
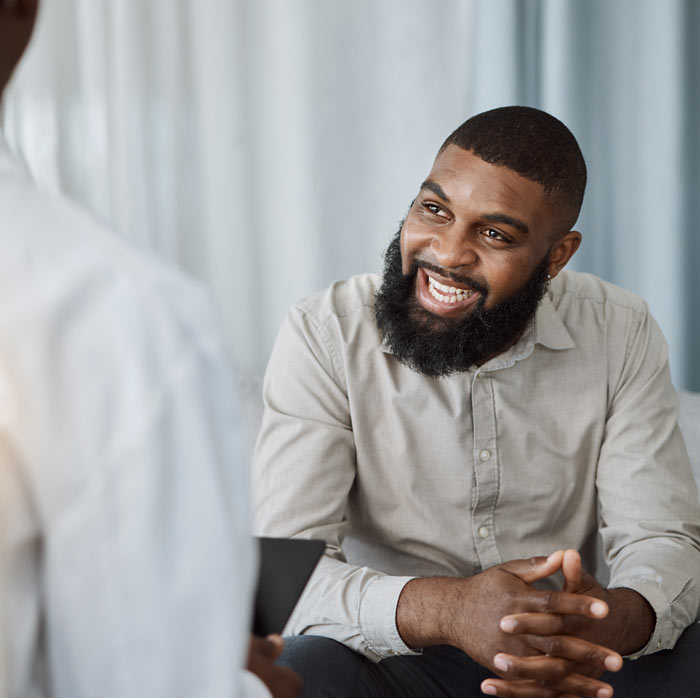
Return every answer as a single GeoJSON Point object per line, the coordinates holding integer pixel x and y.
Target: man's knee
{"type": "Point", "coordinates": [669, 673]}
{"type": "Point", "coordinates": [687, 652]}
{"type": "Point", "coordinates": [328, 668]}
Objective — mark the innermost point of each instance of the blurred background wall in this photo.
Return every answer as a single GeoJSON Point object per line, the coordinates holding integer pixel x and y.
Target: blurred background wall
{"type": "Point", "coordinates": [270, 147]}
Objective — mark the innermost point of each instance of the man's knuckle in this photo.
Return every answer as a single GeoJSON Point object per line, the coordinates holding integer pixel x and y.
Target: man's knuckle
{"type": "Point", "coordinates": [593, 656]}
{"type": "Point", "coordinates": [568, 625]}
{"type": "Point", "coordinates": [553, 645]}
{"type": "Point", "coordinates": [513, 602]}
{"type": "Point", "coordinates": [544, 643]}
{"type": "Point", "coordinates": [580, 686]}
{"type": "Point", "coordinates": [516, 671]}
{"type": "Point", "coordinates": [547, 600]}
{"type": "Point", "coordinates": [560, 670]}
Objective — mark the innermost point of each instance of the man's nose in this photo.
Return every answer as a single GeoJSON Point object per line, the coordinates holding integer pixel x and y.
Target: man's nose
{"type": "Point", "coordinates": [452, 248]}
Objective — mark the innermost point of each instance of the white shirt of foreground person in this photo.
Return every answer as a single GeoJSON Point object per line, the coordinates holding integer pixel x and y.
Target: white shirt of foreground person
{"type": "Point", "coordinates": [127, 562]}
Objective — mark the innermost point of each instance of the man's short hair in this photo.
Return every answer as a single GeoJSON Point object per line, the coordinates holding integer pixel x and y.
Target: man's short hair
{"type": "Point", "coordinates": [534, 144]}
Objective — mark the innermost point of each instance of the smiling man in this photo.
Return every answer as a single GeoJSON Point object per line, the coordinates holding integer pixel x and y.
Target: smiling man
{"type": "Point", "coordinates": [461, 429]}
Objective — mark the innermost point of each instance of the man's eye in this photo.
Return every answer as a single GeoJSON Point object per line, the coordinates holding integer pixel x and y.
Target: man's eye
{"type": "Point", "coordinates": [496, 235]}
{"type": "Point", "coordinates": [434, 208]}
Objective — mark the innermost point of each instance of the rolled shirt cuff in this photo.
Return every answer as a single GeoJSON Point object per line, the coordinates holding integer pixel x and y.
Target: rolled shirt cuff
{"type": "Point", "coordinates": [665, 633]}
{"type": "Point", "coordinates": [377, 618]}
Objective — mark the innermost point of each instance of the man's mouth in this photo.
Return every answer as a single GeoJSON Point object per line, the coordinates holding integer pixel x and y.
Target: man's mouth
{"type": "Point", "coordinates": [447, 294]}
{"type": "Point", "coordinates": [441, 297]}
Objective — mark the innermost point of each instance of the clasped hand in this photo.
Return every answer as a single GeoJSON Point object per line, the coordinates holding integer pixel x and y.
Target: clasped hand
{"type": "Point", "coordinates": [545, 644]}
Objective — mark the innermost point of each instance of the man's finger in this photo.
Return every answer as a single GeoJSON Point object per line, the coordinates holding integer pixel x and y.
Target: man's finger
{"type": "Point", "coordinates": [580, 651]}
{"type": "Point", "coordinates": [535, 568]}
{"type": "Point", "coordinates": [562, 602]}
{"type": "Point", "coordinates": [275, 645]}
{"type": "Point", "coordinates": [541, 624]}
{"type": "Point", "coordinates": [573, 684]}
{"type": "Point", "coordinates": [541, 668]}
{"type": "Point", "coordinates": [562, 656]}
{"type": "Point", "coordinates": [270, 647]}
{"type": "Point", "coordinates": [520, 689]}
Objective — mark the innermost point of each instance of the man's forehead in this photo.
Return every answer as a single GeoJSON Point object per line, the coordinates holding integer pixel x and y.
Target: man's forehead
{"type": "Point", "coordinates": [461, 178]}
{"type": "Point", "coordinates": [457, 172]}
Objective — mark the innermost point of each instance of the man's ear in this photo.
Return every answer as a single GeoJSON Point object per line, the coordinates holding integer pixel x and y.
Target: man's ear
{"type": "Point", "coordinates": [562, 251]}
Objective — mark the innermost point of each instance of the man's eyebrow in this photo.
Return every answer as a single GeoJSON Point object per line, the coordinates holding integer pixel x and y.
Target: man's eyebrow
{"type": "Point", "coordinates": [507, 220]}
{"type": "Point", "coordinates": [434, 187]}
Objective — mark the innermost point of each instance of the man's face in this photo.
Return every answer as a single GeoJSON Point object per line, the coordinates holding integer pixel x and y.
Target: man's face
{"type": "Point", "coordinates": [470, 267]}
{"type": "Point", "coordinates": [478, 222]}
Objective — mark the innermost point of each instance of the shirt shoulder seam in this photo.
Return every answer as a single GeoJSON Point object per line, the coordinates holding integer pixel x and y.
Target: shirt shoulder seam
{"type": "Point", "coordinates": [325, 337]}
{"type": "Point", "coordinates": [639, 308]}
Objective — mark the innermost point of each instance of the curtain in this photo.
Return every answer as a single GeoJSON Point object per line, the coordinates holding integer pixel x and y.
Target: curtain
{"type": "Point", "coordinates": [624, 75]}
{"type": "Point", "coordinates": [269, 147]}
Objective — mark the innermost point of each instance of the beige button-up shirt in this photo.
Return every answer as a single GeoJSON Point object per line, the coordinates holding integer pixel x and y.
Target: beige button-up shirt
{"type": "Point", "coordinates": [405, 475]}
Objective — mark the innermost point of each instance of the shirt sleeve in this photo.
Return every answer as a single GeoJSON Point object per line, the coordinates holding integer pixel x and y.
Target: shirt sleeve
{"type": "Point", "coordinates": [650, 515]}
{"type": "Point", "coordinates": [303, 470]}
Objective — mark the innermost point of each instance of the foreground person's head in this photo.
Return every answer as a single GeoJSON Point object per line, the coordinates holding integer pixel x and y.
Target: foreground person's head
{"type": "Point", "coordinates": [16, 24]}
{"type": "Point", "coordinates": [490, 226]}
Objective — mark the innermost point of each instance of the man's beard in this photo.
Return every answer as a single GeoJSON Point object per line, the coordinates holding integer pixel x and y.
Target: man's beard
{"type": "Point", "coordinates": [439, 346]}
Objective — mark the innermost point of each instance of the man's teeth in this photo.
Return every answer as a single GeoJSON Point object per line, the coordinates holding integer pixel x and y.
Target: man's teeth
{"type": "Point", "coordinates": [456, 294]}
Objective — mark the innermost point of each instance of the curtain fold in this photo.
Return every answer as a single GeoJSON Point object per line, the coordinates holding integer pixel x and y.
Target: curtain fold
{"type": "Point", "coordinates": [269, 147]}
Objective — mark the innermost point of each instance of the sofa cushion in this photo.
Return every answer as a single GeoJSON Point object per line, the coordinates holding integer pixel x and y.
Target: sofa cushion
{"type": "Point", "coordinates": [689, 421]}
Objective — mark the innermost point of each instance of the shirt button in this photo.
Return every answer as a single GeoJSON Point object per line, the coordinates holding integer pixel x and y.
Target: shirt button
{"type": "Point", "coordinates": [484, 532]}
{"type": "Point", "coordinates": [485, 454]}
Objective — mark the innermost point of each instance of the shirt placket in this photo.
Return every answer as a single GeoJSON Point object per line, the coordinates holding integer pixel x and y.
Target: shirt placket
{"type": "Point", "coordinates": [486, 471]}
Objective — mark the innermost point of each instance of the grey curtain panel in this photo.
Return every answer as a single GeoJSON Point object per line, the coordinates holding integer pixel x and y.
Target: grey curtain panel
{"type": "Point", "coordinates": [624, 75]}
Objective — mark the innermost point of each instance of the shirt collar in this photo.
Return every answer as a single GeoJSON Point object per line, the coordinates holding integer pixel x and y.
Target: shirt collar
{"type": "Point", "coordinates": [550, 330]}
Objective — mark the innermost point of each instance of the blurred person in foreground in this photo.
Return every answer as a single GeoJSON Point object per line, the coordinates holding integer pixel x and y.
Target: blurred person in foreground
{"type": "Point", "coordinates": [127, 563]}
{"type": "Point", "coordinates": [452, 430]}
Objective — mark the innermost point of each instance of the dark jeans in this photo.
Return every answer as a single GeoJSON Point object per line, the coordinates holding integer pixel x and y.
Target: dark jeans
{"type": "Point", "coordinates": [331, 670]}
